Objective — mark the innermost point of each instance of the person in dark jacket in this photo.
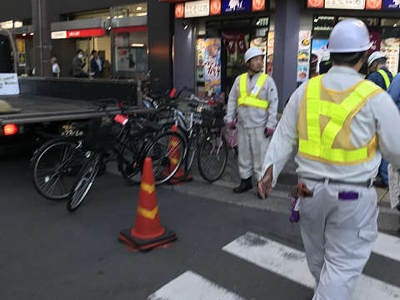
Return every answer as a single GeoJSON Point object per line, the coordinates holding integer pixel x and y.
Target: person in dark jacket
{"type": "Point", "coordinates": [378, 72]}
{"type": "Point", "coordinates": [78, 65]}
{"type": "Point", "coordinates": [96, 65]}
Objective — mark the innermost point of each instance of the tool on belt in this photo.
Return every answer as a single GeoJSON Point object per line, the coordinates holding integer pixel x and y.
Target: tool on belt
{"type": "Point", "coordinates": [300, 190]}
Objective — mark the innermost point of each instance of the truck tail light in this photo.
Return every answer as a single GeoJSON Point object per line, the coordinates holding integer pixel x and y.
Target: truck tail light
{"type": "Point", "coordinates": [10, 129]}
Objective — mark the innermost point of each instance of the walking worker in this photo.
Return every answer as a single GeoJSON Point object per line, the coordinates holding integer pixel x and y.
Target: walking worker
{"type": "Point", "coordinates": [254, 100]}
{"type": "Point", "coordinates": [381, 76]}
{"type": "Point", "coordinates": [343, 125]}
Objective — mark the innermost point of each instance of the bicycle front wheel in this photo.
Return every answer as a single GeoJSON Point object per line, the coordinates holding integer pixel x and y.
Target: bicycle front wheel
{"type": "Point", "coordinates": [55, 166]}
{"type": "Point", "coordinates": [212, 157]}
{"type": "Point", "coordinates": [86, 177]}
{"type": "Point", "coordinates": [167, 153]}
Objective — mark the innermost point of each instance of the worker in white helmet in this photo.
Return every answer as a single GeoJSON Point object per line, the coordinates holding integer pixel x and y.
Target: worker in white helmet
{"type": "Point", "coordinates": [378, 72]}
{"type": "Point", "coordinates": [380, 75]}
{"type": "Point", "coordinates": [254, 100]}
{"type": "Point", "coordinates": [343, 125]}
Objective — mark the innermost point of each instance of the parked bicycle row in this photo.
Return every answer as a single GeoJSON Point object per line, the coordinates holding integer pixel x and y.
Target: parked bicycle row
{"type": "Point", "coordinates": [177, 130]}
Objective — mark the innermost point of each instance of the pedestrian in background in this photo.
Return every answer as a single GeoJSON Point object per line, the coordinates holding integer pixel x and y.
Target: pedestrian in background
{"type": "Point", "coordinates": [254, 100]}
{"type": "Point", "coordinates": [96, 65]}
{"type": "Point", "coordinates": [343, 125]}
{"type": "Point", "coordinates": [78, 65]}
{"type": "Point", "coordinates": [55, 68]}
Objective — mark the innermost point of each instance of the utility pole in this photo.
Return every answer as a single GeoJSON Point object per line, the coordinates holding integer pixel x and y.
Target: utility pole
{"type": "Point", "coordinates": [41, 38]}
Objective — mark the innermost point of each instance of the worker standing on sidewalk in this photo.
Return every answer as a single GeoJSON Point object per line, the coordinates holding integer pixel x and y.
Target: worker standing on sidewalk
{"type": "Point", "coordinates": [343, 125]}
{"type": "Point", "coordinates": [254, 99]}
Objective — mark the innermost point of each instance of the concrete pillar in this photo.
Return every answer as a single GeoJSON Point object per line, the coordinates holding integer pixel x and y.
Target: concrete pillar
{"type": "Point", "coordinates": [160, 32]}
{"type": "Point", "coordinates": [41, 38]}
{"type": "Point", "coordinates": [184, 56]}
{"type": "Point", "coordinates": [287, 22]}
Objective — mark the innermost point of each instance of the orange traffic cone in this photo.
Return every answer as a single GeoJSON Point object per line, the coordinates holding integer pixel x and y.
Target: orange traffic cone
{"type": "Point", "coordinates": [180, 176]}
{"type": "Point", "coordinates": [147, 232]}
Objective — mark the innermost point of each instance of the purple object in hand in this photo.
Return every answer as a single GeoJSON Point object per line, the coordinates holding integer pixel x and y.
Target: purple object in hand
{"type": "Point", "coordinates": [295, 216]}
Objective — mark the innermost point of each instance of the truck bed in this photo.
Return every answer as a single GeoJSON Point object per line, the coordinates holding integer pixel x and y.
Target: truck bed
{"type": "Point", "coordinates": [38, 109]}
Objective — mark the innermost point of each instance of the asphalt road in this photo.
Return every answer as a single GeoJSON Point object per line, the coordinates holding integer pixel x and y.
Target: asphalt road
{"type": "Point", "coordinates": [50, 253]}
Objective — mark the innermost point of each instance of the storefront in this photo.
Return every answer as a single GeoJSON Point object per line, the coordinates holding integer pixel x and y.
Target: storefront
{"type": "Point", "coordinates": [380, 16]}
{"type": "Point", "coordinates": [119, 34]}
{"type": "Point", "coordinates": [222, 32]}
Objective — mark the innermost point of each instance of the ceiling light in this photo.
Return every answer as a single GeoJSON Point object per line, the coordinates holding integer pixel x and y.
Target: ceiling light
{"type": "Point", "coordinates": [139, 8]}
{"type": "Point", "coordinates": [24, 34]}
{"type": "Point", "coordinates": [137, 45]}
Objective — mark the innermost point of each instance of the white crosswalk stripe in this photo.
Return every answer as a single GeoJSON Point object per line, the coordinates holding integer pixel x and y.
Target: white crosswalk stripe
{"type": "Point", "coordinates": [191, 286]}
{"type": "Point", "coordinates": [388, 246]}
{"type": "Point", "coordinates": [282, 260]}
{"type": "Point", "coordinates": [291, 264]}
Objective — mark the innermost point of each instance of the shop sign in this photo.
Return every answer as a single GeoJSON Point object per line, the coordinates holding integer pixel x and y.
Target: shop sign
{"type": "Point", "coordinates": [9, 84]}
{"type": "Point", "coordinates": [215, 7]}
{"type": "Point", "coordinates": [58, 35]}
{"type": "Point", "coordinates": [258, 5]}
{"type": "Point", "coordinates": [179, 10]}
{"type": "Point", "coordinates": [391, 4]}
{"type": "Point", "coordinates": [345, 4]}
{"type": "Point", "coordinates": [374, 4]}
{"type": "Point", "coordinates": [315, 3]}
{"type": "Point", "coordinates": [85, 33]}
{"type": "Point", "coordinates": [197, 9]}
{"type": "Point", "coordinates": [233, 6]}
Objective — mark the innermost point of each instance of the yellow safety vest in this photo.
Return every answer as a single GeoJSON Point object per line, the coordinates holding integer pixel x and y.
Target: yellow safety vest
{"type": "Point", "coordinates": [385, 77]}
{"type": "Point", "coordinates": [251, 99]}
{"type": "Point", "coordinates": [324, 123]}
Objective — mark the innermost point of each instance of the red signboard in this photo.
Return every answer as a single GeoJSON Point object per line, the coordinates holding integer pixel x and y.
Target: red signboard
{"type": "Point", "coordinates": [179, 10]}
{"type": "Point", "coordinates": [130, 29]}
{"type": "Point", "coordinates": [374, 4]}
{"type": "Point", "coordinates": [85, 33]}
{"type": "Point", "coordinates": [258, 5]}
{"type": "Point", "coordinates": [315, 3]}
{"type": "Point", "coordinates": [215, 7]}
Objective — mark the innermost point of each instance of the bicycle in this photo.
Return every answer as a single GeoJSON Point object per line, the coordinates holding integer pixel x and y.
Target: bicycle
{"type": "Point", "coordinates": [130, 140]}
{"type": "Point", "coordinates": [201, 122]}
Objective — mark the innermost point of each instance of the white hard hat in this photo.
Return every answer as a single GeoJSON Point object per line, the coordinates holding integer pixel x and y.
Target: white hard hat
{"type": "Point", "coordinates": [349, 35]}
{"type": "Point", "coordinates": [251, 53]}
{"type": "Point", "coordinates": [374, 56]}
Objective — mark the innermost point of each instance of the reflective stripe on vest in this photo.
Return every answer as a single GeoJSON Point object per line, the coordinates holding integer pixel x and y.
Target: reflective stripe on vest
{"type": "Point", "coordinates": [385, 77]}
{"type": "Point", "coordinates": [317, 137]}
{"type": "Point", "coordinates": [246, 99]}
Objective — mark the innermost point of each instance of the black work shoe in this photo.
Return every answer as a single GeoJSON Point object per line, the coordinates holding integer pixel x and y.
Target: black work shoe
{"type": "Point", "coordinates": [244, 186]}
{"type": "Point", "coordinates": [379, 182]}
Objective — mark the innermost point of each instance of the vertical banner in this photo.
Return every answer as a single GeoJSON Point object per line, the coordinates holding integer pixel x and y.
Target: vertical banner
{"type": "Point", "coordinates": [21, 53]}
{"type": "Point", "coordinates": [270, 51]}
{"type": "Point", "coordinates": [212, 66]}
{"type": "Point", "coordinates": [303, 58]}
{"type": "Point", "coordinates": [200, 45]}
{"type": "Point", "coordinates": [319, 53]}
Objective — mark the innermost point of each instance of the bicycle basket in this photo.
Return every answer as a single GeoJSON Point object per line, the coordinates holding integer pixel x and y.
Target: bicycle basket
{"type": "Point", "coordinates": [101, 135]}
{"type": "Point", "coordinates": [213, 118]}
